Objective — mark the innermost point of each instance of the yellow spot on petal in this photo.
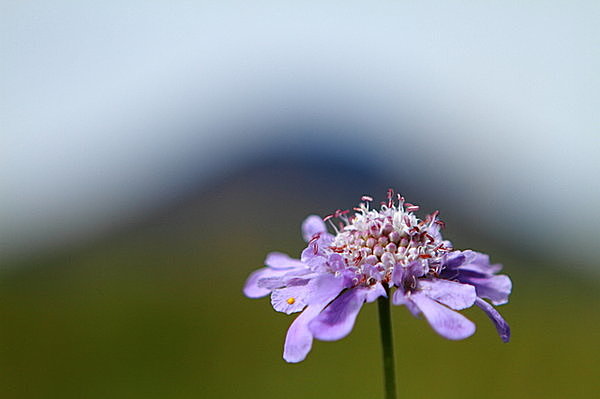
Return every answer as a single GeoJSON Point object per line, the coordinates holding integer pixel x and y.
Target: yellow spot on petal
{"type": "Point", "coordinates": [291, 300]}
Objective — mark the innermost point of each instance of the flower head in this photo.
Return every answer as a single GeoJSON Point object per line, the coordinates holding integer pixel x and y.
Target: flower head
{"type": "Point", "coordinates": [372, 251]}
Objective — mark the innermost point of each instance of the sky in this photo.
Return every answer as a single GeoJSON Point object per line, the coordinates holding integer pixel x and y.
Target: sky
{"type": "Point", "coordinates": [108, 110]}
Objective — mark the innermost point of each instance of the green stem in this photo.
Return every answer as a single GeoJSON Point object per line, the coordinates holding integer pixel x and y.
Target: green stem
{"type": "Point", "coordinates": [385, 323]}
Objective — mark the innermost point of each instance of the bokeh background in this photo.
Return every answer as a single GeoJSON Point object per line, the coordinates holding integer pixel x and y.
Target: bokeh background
{"type": "Point", "coordinates": [152, 153]}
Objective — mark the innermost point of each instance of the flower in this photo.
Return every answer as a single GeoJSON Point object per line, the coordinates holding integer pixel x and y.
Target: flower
{"type": "Point", "coordinates": [372, 251]}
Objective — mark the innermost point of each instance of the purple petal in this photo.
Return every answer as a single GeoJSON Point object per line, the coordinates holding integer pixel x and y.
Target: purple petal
{"type": "Point", "coordinates": [308, 287]}
{"type": "Point", "coordinates": [463, 274]}
{"type": "Point", "coordinates": [374, 292]}
{"type": "Point", "coordinates": [501, 326]}
{"type": "Point", "coordinates": [252, 289]}
{"type": "Point", "coordinates": [301, 291]}
{"type": "Point", "coordinates": [278, 260]}
{"type": "Point", "coordinates": [400, 298]}
{"type": "Point", "coordinates": [312, 225]}
{"type": "Point", "coordinates": [289, 299]}
{"type": "Point", "coordinates": [314, 261]}
{"type": "Point", "coordinates": [337, 320]}
{"type": "Point", "coordinates": [397, 275]}
{"type": "Point", "coordinates": [335, 263]}
{"type": "Point", "coordinates": [495, 288]}
{"type": "Point", "coordinates": [298, 340]}
{"type": "Point", "coordinates": [294, 277]}
{"type": "Point", "coordinates": [403, 275]}
{"type": "Point", "coordinates": [452, 294]}
{"type": "Point", "coordinates": [299, 337]}
{"type": "Point", "coordinates": [479, 262]}
{"type": "Point", "coordinates": [448, 323]}
{"type": "Point", "coordinates": [452, 262]}
{"type": "Point", "coordinates": [324, 288]}
{"type": "Point", "coordinates": [434, 230]}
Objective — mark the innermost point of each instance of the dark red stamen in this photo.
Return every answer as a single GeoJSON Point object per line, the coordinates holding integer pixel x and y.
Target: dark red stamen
{"type": "Point", "coordinates": [414, 229]}
{"type": "Point", "coordinates": [314, 238]}
{"type": "Point", "coordinates": [390, 195]}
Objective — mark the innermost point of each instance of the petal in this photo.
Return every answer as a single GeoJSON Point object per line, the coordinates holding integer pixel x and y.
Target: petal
{"type": "Point", "coordinates": [452, 294]}
{"type": "Point", "coordinates": [397, 275]}
{"type": "Point", "coordinates": [454, 260]}
{"type": "Point", "coordinates": [298, 340]}
{"type": "Point", "coordinates": [336, 263]}
{"type": "Point", "coordinates": [278, 260]}
{"type": "Point", "coordinates": [400, 298]}
{"type": "Point", "coordinates": [324, 288]}
{"type": "Point", "coordinates": [495, 288]}
{"type": "Point", "coordinates": [294, 277]}
{"type": "Point", "coordinates": [289, 299]}
{"type": "Point", "coordinates": [314, 261]}
{"type": "Point", "coordinates": [448, 323]}
{"type": "Point", "coordinates": [252, 289]}
{"type": "Point", "coordinates": [479, 262]}
{"type": "Point", "coordinates": [434, 230]}
{"type": "Point", "coordinates": [374, 292]}
{"type": "Point", "coordinates": [308, 288]}
{"type": "Point", "coordinates": [403, 275]}
{"type": "Point", "coordinates": [463, 274]}
{"type": "Point", "coordinates": [312, 225]}
{"type": "Point", "coordinates": [501, 326]}
{"type": "Point", "coordinates": [337, 320]}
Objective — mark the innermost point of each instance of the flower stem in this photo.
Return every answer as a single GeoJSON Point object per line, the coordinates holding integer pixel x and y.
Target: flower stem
{"type": "Point", "coordinates": [387, 346]}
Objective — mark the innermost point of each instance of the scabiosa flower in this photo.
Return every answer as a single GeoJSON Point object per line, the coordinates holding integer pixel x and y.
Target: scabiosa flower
{"type": "Point", "coordinates": [372, 251]}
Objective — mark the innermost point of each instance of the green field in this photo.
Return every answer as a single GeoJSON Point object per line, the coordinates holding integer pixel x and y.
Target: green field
{"type": "Point", "coordinates": [157, 312]}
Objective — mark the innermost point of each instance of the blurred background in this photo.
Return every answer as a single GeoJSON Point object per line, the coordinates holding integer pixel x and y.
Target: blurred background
{"type": "Point", "coordinates": [152, 154]}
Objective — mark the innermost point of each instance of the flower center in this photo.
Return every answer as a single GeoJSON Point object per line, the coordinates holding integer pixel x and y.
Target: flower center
{"type": "Point", "coordinates": [374, 242]}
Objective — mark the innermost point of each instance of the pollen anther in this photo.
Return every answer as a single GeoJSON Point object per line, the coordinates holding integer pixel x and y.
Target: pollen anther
{"type": "Point", "coordinates": [291, 300]}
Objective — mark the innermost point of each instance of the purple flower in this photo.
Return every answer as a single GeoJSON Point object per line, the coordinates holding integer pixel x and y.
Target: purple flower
{"type": "Point", "coordinates": [371, 252]}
